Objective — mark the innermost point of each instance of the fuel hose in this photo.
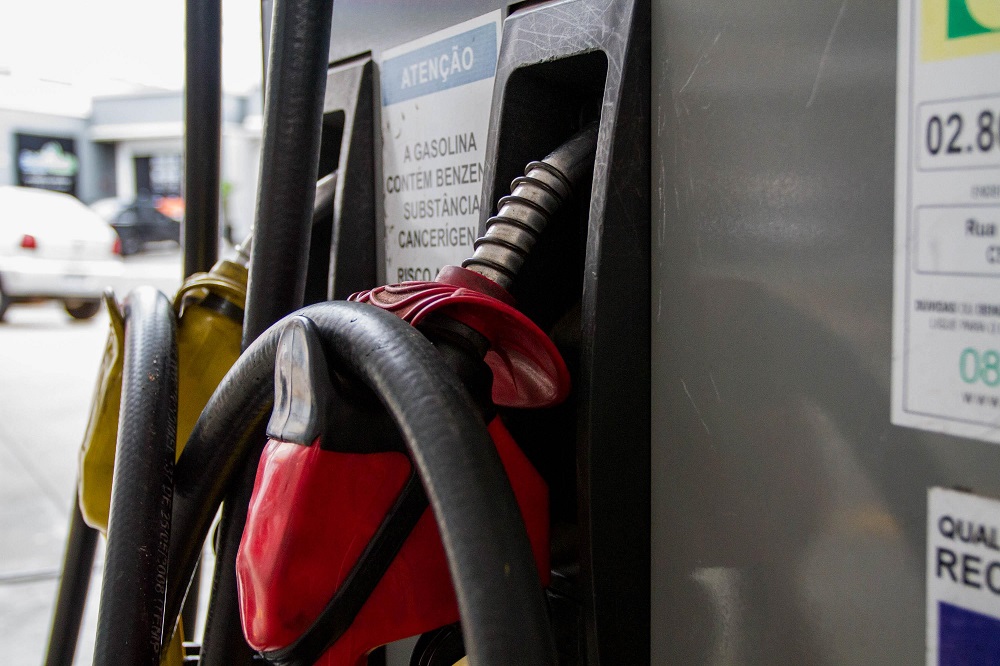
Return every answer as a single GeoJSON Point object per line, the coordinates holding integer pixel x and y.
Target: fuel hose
{"type": "Point", "coordinates": [81, 544]}
{"type": "Point", "coordinates": [130, 619]}
{"type": "Point", "coordinates": [500, 598]}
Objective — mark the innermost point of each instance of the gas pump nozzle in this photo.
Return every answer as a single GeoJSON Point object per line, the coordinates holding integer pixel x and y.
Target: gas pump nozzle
{"type": "Point", "coordinates": [298, 605]}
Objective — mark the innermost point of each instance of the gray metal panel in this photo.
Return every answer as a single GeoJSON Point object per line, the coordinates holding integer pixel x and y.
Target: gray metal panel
{"type": "Point", "coordinates": [788, 514]}
{"type": "Point", "coordinates": [360, 26]}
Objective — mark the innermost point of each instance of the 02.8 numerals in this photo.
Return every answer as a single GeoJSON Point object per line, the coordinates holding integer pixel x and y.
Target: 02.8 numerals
{"type": "Point", "coordinates": [943, 135]}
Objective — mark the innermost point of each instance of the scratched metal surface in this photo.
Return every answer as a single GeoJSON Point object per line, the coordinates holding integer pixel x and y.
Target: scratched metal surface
{"type": "Point", "coordinates": [788, 514]}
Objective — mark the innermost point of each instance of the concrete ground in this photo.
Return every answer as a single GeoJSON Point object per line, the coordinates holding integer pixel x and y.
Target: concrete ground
{"type": "Point", "coordinates": [48, 370]}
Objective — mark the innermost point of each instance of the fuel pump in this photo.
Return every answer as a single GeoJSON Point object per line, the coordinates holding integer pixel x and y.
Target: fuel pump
{"type": "Point", "coordinates": [413, 395]}
{"type": "Point", "coordinates": [773, 292]}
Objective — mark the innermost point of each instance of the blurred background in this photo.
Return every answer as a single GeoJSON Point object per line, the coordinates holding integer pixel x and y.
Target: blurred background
{"type": "Point", "coordinates": [91, 108]}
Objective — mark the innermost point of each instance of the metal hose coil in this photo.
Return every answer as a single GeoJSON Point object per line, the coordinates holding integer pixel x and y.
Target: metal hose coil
{"type": "Point", "coordinates": [534, 200]}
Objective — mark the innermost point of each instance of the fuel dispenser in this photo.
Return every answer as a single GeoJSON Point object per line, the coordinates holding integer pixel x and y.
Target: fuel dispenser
{"type": "Point", "coordinates": [334, 443]}
{"type": "Point", "coordinates": [719, 389]}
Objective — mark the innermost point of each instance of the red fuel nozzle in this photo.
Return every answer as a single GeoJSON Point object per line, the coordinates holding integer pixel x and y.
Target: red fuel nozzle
{"type": "Point", "coordinates": [528, 370]}
{"type": "Point", "coordinates": [340, 554]}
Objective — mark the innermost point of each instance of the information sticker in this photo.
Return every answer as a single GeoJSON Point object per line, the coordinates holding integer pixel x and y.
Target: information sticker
{"type": "Point", "coordinates": [436, 98]}
{"type": "Point", "coordinates": [946, 319]}
{"type": "Point", "coordinates": [963, 578]}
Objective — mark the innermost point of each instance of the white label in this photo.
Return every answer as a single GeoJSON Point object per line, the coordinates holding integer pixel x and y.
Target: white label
{"type": "Point", "coordinates": [436, 98]}
{"type": "Point", "coordinates": [946, 311]}
{"type": "Point", "coordinates": [963, 578]}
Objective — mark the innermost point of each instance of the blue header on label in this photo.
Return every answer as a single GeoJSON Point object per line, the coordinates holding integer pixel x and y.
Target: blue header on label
{"type": "Point", "coordinates": [452, 62]}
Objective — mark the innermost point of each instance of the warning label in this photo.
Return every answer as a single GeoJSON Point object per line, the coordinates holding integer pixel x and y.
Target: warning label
{"type": "Point", "coordinates": [963, 578]}
{"type": "Point", "coordinates": [436, 95]}
{"type": "Point", "coordinates": [946, 319]}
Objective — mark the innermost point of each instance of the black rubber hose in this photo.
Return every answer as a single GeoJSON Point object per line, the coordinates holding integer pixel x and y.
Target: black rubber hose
{"type": "Point", "coordinates": [326, 189]}
{"type": "Point", "coordinates": [189, 612]}
{"type": "Point", "coordinates": [500, 597]}
{"type": "Point", "coordinates": [202, 133]}
{"type": "Point", "coordinates": [71, 599]}
{"type": "Point", "coordinates": [130, 619]}
{"type": "Point", "coordinates": [223, 643]}
{"type": "Point", "coordinates": [293, 120]}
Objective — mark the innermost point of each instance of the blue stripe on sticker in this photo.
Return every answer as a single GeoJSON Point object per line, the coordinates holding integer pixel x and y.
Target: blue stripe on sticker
{"type": "Point", "coordinates": [449, 63]}
{"type": "Point", "coordinates": [966, 637]}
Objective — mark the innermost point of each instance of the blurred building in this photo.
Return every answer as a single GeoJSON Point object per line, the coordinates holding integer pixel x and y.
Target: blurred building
{"type": "Point", "coordinates": [122, 145]}
{"type": "Point", "coordinates": [44, 138]}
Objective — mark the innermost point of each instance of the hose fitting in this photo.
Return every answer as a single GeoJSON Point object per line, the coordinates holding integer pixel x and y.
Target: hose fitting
{"type": "Point", "coordinates": [534, 200]}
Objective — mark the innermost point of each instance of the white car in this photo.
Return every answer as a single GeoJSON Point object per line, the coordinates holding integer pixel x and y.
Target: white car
{"type": "Point", "coordinates": [53, 247]}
